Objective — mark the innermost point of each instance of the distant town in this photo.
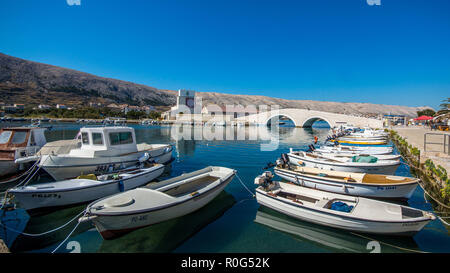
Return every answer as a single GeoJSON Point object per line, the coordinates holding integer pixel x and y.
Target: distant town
{"type": "Point", "coordinates": [187, 101]}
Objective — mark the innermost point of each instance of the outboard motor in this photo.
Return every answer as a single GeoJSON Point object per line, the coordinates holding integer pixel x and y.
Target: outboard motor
{"type": "Point", "coordinates": [264, 180]}
{"type": "Point", "coordinates": [285, 159]}
{"type": "Point", "coordinates": [144, 158]}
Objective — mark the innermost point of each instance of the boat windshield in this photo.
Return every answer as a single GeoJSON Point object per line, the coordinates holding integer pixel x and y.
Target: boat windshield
{"type": "Point", "coordinates": [19, 137]}
{"type": "Point", "coordinates": [85, 138]}
{"type": "Point", "coordinates": [121, 138]}
{"type": "Point", "coordinates": [97, 138]}
{"type": "Point", "coordinates": [5, 136]}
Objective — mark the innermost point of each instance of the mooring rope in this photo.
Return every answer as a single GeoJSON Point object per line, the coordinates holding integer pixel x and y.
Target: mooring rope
{"type": "Point", "coordinates": [391, 245]}
{"type": "Point", "coordinates": [427, 193]}
{"type": "Point", "coordinates": [437, 201]}
{"type": "Point", "coordinates": [242, 183]}
{"type": "Point", "coordinates": [43, 233]}
{"type": "Point", "coordinates": [70, 234]}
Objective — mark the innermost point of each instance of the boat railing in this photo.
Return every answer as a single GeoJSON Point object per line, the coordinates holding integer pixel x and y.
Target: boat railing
{"type": "Point", "coordinates": [444, 146]}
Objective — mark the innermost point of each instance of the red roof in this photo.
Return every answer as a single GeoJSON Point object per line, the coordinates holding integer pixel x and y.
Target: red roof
{"type": "Point", "coordinates": [424, 118]}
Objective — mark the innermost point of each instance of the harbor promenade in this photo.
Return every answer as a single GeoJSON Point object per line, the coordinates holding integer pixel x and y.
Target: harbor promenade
{"type": "Point", "coordinates": [415, 135]}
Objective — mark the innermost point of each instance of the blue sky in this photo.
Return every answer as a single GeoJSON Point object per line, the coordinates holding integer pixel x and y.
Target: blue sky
{"type": "Point", "coordinates": [330, 50]}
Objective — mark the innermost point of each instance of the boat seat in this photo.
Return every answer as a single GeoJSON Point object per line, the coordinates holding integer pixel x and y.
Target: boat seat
{"type": "Point", "coordinates": [322, 203]}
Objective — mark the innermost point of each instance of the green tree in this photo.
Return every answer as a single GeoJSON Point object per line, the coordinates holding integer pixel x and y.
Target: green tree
{"type": "Point", "coordinates": [426, 112]}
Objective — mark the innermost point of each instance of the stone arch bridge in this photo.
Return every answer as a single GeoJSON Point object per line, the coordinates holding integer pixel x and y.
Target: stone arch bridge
{"type": "Point", "coordinates": [306, 118]}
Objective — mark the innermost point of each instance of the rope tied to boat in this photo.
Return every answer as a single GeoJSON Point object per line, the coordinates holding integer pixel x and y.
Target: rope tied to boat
{"type": "Point", "coordinates": [434, 199]}
{"type": "Point", "coordinates": [391, 245]}
{"type": "Point", "coordinates": [47, 232]}
{"type": "Point", "coordinates": [242, 183]}
{"type": "Point", "coordinates": [70, 234]}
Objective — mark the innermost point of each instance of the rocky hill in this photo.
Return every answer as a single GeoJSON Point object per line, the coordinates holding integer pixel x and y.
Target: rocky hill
{"type": "Point", "coordinates": [28, 82]}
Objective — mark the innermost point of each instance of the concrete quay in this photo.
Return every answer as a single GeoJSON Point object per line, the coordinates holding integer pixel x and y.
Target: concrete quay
{"type": "Point", "coordinates": [415, 135]}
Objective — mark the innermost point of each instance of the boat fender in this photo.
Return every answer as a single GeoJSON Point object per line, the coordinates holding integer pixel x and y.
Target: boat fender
{"type": "Point", "coordinates": [121, 186]}
{"type": "Point", "coordinates": [301, 163]}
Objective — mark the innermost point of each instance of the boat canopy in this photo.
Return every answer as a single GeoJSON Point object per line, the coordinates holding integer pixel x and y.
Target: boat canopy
{"type": "Point", "coordinates": [106, 141]}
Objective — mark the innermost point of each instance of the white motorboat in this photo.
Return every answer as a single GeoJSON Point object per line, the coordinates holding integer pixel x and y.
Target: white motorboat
{"type": "Point", "coordinates": [356, 214]}
{"type": "Point", "coordinates": [99, 149]}
{"type": "Point", "coordinates": [340, 149]}
{"type": "Point", "coordinates": [83, 189]}
{"type": "Point", "coordinates": [17, 143]}
{"type": "Point", "coordinates": [158, 202]}
{"type": "Point", "coordinates": [356, 184]}
{"type": "Point", "coordinates": [354, 165]}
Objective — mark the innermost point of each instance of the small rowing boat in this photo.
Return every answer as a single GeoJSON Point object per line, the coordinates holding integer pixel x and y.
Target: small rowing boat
{"type": "Point", "coordinates": [347, 156]}
{"type": "Point", "coordinates": [340, 211]}
{"type": "Point", "coordinates": [354, 150]}
{"type": "Point", "coordinates": [355, 164]}
{"type": "Point", "coordinates": [356, 184]}
{"type": "Point", "coordinates": [359, 141]}
{"type": "Point", "coordinates": [158, 202]}
{"type": "Point", "coordinates": [83, 189]}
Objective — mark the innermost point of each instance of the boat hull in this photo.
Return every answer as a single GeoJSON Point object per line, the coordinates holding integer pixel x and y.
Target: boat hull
{"type": "Point", "coordinates": [337, 221]}
{"type": "Point", "coordinates": [403, 191]}
{"type": "Point", "coordinates": [32, 201]}
{"type": "Point", "coordinates": [356, 168]}
{"type": "Point", "coordinates": [64, 167]}
{"type": "Point", "coordinates": [361, 142]}
{"type": "Point", "coordinates": [8, 167]}
{"type": "Point", "coordinates": [113, 226]}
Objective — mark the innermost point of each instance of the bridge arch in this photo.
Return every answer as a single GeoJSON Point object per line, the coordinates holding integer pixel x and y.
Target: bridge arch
{"type": "Point", "coordinates": [281, 115]}
{"type": "Point", "coordinates": [306, 117]}
{"type": "Point", "coordinates": [310, 121]}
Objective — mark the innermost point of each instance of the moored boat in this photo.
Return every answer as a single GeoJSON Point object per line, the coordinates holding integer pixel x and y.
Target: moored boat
{"type": "Point", "coordinates": [356, 214]}
{"type": "Point", "coordinates": [350, 155]}
{"type": "Point", "coordinates": [374, 150]}
{"type": "Point", "coordinates": [99, 150]}
{"type": "Point", "coordinates": [355, 164]}
{"type": "Point", "coordinates": [356, 184]}
{"type": "Point", "coordinates": [17, 143]}
{"type": "Point", "coordinates": [360, 141]}
{"type": "Point", "coordinates": [83, 189]}
{"type": "Point", "coordinates": [158, 202]}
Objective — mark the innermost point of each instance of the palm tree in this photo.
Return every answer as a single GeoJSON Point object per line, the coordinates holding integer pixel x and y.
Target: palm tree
{"type": "Point", "coordinates": [445, 104]}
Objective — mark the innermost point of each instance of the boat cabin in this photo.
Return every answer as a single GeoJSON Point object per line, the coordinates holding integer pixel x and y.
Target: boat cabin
{"type": "Point", "coordinates": [105, 141]}
{"type": "Point", "coordinates": [18, 142]}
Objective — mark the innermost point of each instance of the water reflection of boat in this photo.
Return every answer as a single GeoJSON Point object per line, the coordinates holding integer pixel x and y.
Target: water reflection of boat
{"type": "Point", "coordinates": [168, 235]}
{"type": "Point", "coordinates": [330, 238]}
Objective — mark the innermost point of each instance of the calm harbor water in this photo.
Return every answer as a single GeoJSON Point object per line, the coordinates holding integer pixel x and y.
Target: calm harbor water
{"type": "Point", "coordinates": [233, 222]}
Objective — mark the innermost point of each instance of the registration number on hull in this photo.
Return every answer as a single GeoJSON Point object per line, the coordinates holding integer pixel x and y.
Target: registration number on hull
{"type": "Point", "coordinates": [386, 188]}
